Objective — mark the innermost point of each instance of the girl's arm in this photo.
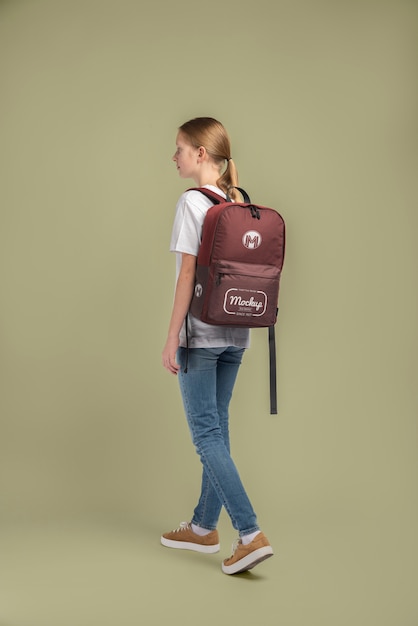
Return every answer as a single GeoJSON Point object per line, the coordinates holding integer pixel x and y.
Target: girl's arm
{"type": "Point", "coordinates": [182, 299]}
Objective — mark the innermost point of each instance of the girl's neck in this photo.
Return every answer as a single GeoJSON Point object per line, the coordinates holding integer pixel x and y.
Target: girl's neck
{"type": "Point", "coordinates": [201, 181]}
{"type": "Point", "coordinates": [206, 183]}
{"type": "Point", "coordinates": [207, 175]}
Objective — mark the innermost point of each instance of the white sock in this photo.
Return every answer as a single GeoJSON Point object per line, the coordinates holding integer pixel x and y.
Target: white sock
{"type": "Point", "coordinates": [246, 539]}
{"type": "Point", "coordinates": [198, 530]}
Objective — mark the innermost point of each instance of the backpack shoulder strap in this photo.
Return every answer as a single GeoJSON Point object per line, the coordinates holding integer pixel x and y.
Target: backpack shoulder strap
{"type": "Point", "coordinates": [212, 195]}
{"type": "Point", "coordinates": [217, 199]}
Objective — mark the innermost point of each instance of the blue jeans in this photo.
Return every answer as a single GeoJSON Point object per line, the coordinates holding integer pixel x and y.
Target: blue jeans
{"type": "Point", "coordinates": [206, 390]}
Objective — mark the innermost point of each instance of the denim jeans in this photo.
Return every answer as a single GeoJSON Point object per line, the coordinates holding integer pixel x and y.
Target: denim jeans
{"type": "Point", "coordinates": [206, 390]}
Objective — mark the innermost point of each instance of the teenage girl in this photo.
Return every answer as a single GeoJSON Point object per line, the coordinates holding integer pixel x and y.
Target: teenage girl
{"type": "Point", "coordinates": [203, 154]}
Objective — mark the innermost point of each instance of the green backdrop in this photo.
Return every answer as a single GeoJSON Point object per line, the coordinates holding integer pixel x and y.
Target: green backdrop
{"type": "Point", "coordinates": [320, 102]}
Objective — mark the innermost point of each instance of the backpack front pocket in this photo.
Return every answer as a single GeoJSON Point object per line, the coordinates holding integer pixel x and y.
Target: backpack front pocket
{"type": "Point", "coordinates": [243, 294]}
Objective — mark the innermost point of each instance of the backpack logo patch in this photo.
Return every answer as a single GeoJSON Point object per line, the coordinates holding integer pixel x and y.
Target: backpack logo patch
{"type": "Point", "coordinates": [251, 239]}
{"type": "Point", "coordinates": [245, 302]}
{"type": "Point", "coordinates": [198, 290]}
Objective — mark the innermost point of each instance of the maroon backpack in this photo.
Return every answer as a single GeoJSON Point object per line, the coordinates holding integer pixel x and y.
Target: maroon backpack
{"type": "Point", "coordinates": [238, 270]}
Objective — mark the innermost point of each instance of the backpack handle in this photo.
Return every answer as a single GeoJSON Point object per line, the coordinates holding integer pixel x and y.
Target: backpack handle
{"type": "Point", "coordinates": [244, 194]}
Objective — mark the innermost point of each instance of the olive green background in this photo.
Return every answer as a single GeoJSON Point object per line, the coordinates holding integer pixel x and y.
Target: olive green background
{"type": "Point", "coordinates": [320, 100]}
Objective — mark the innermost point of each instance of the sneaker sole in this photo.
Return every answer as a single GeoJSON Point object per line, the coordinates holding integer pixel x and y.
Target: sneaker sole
{"type": "Point", "coordinates": [187, 545]}
{"type": "Point", "coordinates": [249, 561]}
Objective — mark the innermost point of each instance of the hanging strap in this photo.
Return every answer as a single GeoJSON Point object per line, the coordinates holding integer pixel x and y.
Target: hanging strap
{"type": "Point", "coordinates": [186, 367]}
{"type": "Point", "coordinates": [273, 371]}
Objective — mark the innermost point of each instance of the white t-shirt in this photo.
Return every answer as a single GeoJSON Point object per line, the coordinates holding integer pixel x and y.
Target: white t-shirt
{"type": "Point", "coordinates": [186, 237]}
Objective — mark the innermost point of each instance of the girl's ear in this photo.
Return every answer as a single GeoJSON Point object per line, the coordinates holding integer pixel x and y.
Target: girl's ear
{"type": "Point", "coordinates": [201, 152]}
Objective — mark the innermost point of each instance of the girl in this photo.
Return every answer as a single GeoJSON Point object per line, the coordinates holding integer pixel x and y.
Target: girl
{"type": "Point", "coordinates": [215, 354]}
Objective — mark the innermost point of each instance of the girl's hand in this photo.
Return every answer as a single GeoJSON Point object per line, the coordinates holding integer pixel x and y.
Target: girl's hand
{"type": "Point", "coordinates": [169, 355]}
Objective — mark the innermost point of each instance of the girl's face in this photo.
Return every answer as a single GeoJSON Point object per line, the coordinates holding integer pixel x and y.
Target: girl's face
{"type": "Point", "coordinates": [185, 157]}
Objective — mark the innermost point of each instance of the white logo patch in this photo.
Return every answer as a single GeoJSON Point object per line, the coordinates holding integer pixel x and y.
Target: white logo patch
{"type": "Point", "coordinates": [251, 239]}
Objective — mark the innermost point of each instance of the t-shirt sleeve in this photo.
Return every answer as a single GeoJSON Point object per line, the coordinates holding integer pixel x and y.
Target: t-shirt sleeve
{"type": "Point", "coordinates": [186, 234]}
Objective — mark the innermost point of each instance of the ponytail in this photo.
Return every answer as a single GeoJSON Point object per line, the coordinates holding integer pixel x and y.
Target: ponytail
{"type": "Point", "coordinates": [228, 180]}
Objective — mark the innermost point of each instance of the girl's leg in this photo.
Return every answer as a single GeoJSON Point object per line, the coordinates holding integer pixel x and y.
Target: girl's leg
{"type": "Point", "coordinates": [208, 509]}
{"type": "Point", "coordinates": [206, 389]}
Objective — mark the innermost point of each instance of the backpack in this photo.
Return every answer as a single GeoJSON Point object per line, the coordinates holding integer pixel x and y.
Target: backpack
{"type": "Point", "coordinates": [238, 271]}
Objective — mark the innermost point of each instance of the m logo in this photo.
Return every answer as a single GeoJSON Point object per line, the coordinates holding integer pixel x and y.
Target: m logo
{"type": "Point", "coordinates": [251, 239]}
{"type": "Point", "coordinates": [198, 290]}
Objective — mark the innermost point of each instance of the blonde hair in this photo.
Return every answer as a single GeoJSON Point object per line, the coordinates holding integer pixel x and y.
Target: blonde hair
{"type": "Point", "coordinates": [212, 135]}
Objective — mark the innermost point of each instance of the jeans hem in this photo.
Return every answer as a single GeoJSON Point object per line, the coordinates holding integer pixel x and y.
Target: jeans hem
{"type": "Point", "coordinates": [206, 527]}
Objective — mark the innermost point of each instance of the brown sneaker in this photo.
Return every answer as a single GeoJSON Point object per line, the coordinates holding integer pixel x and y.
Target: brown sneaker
{"type": "Point", "coordinates": [247, 557]}
{"type": "Point", "coordinates": [185, 539]}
